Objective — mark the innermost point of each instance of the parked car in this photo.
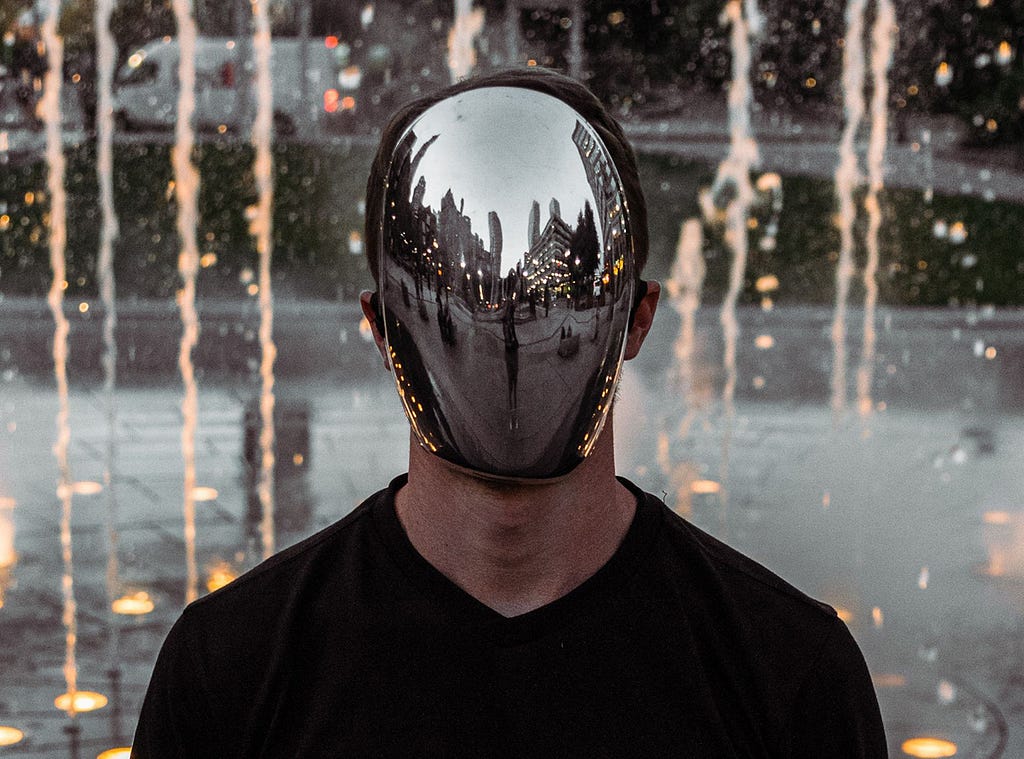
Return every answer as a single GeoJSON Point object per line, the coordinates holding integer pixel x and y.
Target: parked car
{"type": "Point", "coordinates": [146, 91]}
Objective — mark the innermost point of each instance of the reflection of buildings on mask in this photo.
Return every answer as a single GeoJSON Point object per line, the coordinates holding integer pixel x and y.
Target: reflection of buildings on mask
{"type": "Point", "coordinates": [548, 261]}
{"type": "Point", "coordinates": [602, 177]}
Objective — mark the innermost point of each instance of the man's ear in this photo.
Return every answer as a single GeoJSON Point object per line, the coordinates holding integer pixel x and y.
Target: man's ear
{"type": "Point", "coordinates": [642, 319]}
{"type": "Point", "coordinates": [367, 300]}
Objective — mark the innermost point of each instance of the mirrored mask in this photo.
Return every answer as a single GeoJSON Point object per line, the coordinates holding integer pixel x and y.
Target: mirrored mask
{"type": "Point", "coordinates": [506, 281]}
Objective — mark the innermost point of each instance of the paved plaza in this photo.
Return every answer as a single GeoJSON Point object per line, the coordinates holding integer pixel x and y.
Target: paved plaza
{"type": "Point", "coordinates": [909, 519]}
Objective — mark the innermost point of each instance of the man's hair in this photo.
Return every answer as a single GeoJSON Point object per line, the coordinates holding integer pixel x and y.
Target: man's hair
{"type": "Point", "coordinates": [569, 91]}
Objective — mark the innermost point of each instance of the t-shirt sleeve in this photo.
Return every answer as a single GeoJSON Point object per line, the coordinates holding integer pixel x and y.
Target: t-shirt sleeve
{"type": "Point", "coordinates": [836, 711]}
{"type": "Point", "coordinates": [175, 721]}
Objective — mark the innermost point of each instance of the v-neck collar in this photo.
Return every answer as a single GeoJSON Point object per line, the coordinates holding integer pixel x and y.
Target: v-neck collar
{"type": "Point", "coordinates": [464, 608]}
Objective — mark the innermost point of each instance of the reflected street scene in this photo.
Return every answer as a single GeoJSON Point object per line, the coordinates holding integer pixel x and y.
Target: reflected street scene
{"type": "Point", "coordinates": [543, 302]}
{"type": "Point", "coordinates": [833, 383]}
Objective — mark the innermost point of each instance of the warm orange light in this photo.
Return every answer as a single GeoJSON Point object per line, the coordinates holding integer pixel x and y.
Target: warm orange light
{"type": "Point", "coordinates": [208, 260]}
{"type": "Point", "coordinates": [86, 487]}
{"type": "Point", "coordinates": [83, 307]}
{"type": "Point", "coordinates": [764, 342]}
{"type": "Point", "coordinates": [133, 604]}
{"type": "Point", "coordinates": [768, 182]}
{"type": "Point", "coordinates": [888, 680]}
{"type": "Point", "coordinates": [84, 701]}
{"type": "Point", "coordinates": [116, 753]}
{"type": "Point", "coordinates": [990, 353]}
{"type": "Point", "coordinates": [705, 487]}
{"type": "Point", "coordinates": [220, 576]}
{"type": "Point", "coordinates": [331, 98]}
{"type": "Point", "coordinates": [203, 493]}
{"type": "Point", "coordinates": [10, 735]}
{"type": "Point", "coordinates": [996, 517]}
{"type": "Point", "coordinates": [844, 614]}
{"type": "Point", "coordinates": [929, 748]}
{"type": "Point", "coordinates": [348, 103]}
{"type": "Point", "coordinates": [767, 283]}
{"type": "Point", "coordinates": [298, 459]}
{"type": "Point", "coordinates": [877, 617]}
{"type": "Point", "coordinates": [331, 42]}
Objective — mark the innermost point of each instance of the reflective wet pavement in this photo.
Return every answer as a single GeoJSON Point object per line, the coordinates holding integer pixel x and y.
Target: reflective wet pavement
{"type": "Point", "coordinates": [910, 520]}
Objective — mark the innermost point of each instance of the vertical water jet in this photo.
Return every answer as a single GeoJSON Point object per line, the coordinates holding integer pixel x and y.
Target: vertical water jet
{"type": "Point", "coordinates": [883, 40]}
{"type": "Point", "coordinates": [186, 191]}
{"type": "Point", "coordinates": [261, 228]}
{"type": "Point", "coordinates": [57, 229]}
{"type": "Point", "coordinates": [468, 24]}
{"type": "Point", "coordinates": [847, 177]}
{"type": "Point", "coordinates": [733, 176]}
{"type": "Point", "coordinates": [106, 56]}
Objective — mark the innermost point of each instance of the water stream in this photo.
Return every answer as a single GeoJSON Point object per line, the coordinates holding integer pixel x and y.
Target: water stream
{"type": "Point", "coordinates": [847, 177]}
{"type": "Point", "coordinates": [186, 189]}
{"type": "Point", "coordinates": [467, 26]}
{"type": "Point", "coordinates": [57, 230]}
{"type": "Point", "coordinates": [883, 40]}
{"type": "Point", "coordinates": [106, 57]}
{"type": "Point", "coordinates": [733, 177]}
{"type": "Point", "coordinates": [261, 229]}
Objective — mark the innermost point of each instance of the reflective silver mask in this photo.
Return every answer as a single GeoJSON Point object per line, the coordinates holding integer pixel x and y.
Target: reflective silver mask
{"type": "Point", "coordinates": [506, 281]}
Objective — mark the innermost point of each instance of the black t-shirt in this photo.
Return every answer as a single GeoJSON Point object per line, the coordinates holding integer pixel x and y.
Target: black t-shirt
{"type": "Point", "coordinates": [350, 644]}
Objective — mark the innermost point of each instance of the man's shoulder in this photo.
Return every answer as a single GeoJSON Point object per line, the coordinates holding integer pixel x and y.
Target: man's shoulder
{"type": "Point", "coordinates": [318, 561]}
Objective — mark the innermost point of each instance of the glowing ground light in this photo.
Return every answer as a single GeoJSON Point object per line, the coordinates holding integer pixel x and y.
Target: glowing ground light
{"type": "Point", "coordinates": [10, 735]}
{"type": "Point", "coordinates": [889, 680]}
{"type": "Point", "coordinates": [84, 701]}
{"type": "Point", "coordinates": [219, 577]}
{"type": "Point", "coordinates": [928, 748]}
{"type": "Point", "coordinates": [123, 752]}
{"type": "Point", "coordinates": [203, 493]}
{"type": "Point", "coordinates": [133, 604]}
{"type": "Point", "coordinates": [86, 487]}
{"type": "Point", "coordinates": [705, 487]}
{"type": "Point", "coordinates": [996, 517]}
{"type": "Point", "coordinates": [764, 342]}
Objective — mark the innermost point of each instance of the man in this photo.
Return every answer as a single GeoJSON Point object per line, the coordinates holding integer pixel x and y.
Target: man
{"type": "Point", "coordinates": [509, 597]}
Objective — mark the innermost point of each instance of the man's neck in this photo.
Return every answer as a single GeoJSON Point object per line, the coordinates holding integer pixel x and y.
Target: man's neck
{"type": "Point", "coordinates": [516, 547]}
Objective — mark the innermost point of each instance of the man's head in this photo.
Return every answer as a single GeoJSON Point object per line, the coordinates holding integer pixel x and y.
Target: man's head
{"type": "Point", "coordinates": [506, 324]}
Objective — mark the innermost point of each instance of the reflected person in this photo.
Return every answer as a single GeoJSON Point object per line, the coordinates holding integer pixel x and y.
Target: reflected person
{"type": "Point", "coordinates": [509, 596]}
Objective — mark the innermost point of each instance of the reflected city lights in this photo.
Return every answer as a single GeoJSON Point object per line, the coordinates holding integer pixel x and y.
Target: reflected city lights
{"type": "Point", "coordinates": [202, 493]}
{"type": "Point", "coordinates": [764, 342]}
{"type": "Point", "coordinates": [10, 735]}
{"type": "Point", "coordinates": [83, 701]}
{"type": "Point", "coordinates": [929, 748]}
{"type": "Point", "coordinates": [133, 604]}
{"type": "Point", "coordinates": [86, 487]}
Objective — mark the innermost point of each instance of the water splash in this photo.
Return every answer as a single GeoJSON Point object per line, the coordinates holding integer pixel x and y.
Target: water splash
{"type": "Point", "coordinates": [469, 23]}
{"type": "Point", "coordinates": [883, 41]}
{"type": "Point", "coordinates": [847, 177]}
{"type": "Point", "coordinates": [684, 288]}
{"type": "Point", "coordinates": [261, 228]}
{"type": "Point", "coordinates": [733, 178]}
{"type": "Point", "coordinates": [56, 165]}
{"type": "Point", "coordinates": [106, 56]}
{"type": "Point", "coordinates": [186, 188]}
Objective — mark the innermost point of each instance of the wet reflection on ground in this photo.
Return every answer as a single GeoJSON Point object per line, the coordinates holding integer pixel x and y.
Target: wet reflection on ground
{"type": "Point", "coordinates": [911, 523]}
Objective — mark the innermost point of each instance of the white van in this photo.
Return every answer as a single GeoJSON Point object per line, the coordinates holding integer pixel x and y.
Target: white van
{"type": "Point", "coordinates": [146, 90]}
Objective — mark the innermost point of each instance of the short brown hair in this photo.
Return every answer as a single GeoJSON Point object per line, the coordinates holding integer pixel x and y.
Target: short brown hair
{"type": "Point", "coordinates": [569, 91]}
